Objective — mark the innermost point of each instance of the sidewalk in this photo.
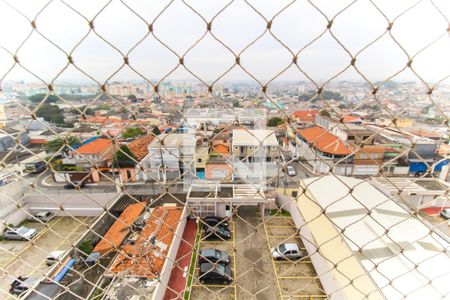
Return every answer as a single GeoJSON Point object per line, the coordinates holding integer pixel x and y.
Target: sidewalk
{"type": "Point", "coordinates": [177, 280]}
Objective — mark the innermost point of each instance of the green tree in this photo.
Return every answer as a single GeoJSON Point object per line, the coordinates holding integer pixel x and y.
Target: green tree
{"type": "Point", "coordinates": [275, 121]}
{"type": "Point", "coordinates": [325, 113]}
{"type": "Point", "coordinates": [86, 246]}
{"type": "Point", "coordinates": [56, 144]}
{"type": "Point", "coordinates": [131, 132]}
{"type": "Point", "coordinates": [83, 109]}
{"type": "Point", "coordinates": [104, 106]}
{"type": "Point", "coordinates": [156, 130]}
{"type": "Point", "coordinates": [50, 113]}
{"type": "Point", "coordinates": [39, 97]}
{"type": "Point", "coordinates": [124, 158]}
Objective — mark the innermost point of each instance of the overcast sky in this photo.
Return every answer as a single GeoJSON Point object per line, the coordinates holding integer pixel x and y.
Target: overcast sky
{"type": "Point", "coordinates": [237, 26]}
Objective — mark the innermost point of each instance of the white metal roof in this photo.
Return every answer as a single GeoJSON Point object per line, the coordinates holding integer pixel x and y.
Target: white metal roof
{"type": "Point", "coordinates": [382, 234]}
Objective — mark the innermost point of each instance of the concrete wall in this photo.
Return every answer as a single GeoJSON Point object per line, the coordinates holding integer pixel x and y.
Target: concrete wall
{"type": "Point", "coordinates": [10, 194]}
{"type": "Point", "coordinates": [164, 277]}
{"type": "Point", "coordinates": [16, 217]}
{"type": "Point", "coordinates": [74, 204]}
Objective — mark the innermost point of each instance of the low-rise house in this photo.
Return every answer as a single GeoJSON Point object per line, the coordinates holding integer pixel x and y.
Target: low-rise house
{"type": "Point", "coordinates": [322, 151]}
{"type": "Point", "coordinates": [96, 153]}
{"type": "Point", "coordinates": [254, 153]}
{"type": "Point", "coordinates": [170, 156]}
{"type": "Point", "coordinates": [86, 161]}
{"type": "Point", "coordinates": [305, 117]}
{"type": "Point", "coordinates": [353, 133]}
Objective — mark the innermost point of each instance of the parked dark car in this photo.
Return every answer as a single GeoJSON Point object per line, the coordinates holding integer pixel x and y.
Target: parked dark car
{"type": "Point", "coordinates": [215, 221]}
{"type": "Point", "coordinates": [213, 256]}
{"type": "Point", "coordinates": [21, 284]}
{"type": "Point", "coordinates": [74, 184]}
{"type": "Point", "coordinates": [219, 232]}
{"type": "Point", "coordinates": [215, 273]}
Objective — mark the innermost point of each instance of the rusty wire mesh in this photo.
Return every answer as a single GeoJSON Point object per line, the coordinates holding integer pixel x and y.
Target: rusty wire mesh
{"type": "Point", "coordinates": [337, 262]}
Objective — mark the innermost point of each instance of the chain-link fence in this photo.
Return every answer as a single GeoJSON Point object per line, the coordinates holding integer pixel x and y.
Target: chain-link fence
{"type": "Point", "coordinates": [235, 150]}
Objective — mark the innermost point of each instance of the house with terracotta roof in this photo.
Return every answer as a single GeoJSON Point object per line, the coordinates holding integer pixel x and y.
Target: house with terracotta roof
{"type": "Point", "coordinates": [323, 150]}
{"type": "Point", "coordinates": [145, 260]}
{"type": "Point", "coordinates": [305, 117]}
{"type": "Point", "coordinates": [95, 153]}
{"type": "Point", "coordinates": [85, 161]}
{"type": "Point", "coordinates": [139, 147]}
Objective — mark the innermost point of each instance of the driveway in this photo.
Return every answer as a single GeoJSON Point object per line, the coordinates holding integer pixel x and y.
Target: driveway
{"type": "Point", "coordinates": [255, 275]}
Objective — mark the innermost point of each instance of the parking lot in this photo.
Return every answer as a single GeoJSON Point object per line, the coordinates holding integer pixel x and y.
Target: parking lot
{"type": "Point", "coordinates": [296, 279]}
{"type": "Point", "coordinates": [249, 260]}
{"type": "Point", "coordinates": [438, 222]}
{"type": "Point", "coordinates": [216, 291]}
{"type": "Point", "coordinates": [27, 258]}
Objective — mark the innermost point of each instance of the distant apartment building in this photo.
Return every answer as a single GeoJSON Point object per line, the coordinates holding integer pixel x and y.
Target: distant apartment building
{"type": "Point", "coordinates": [254, 153]}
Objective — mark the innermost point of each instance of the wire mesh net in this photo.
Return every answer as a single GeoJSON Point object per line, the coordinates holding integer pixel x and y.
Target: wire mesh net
{"type": "Point", "coordinates": [225, 150]}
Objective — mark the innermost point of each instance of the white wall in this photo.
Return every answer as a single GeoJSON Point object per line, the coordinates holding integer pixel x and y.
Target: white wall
{"type": "Point", "coordinates": [75, 204]}
{"type": "Point", "coordinates": [11, 194]}
{"type": "Point", "coordinates": [170, 258]}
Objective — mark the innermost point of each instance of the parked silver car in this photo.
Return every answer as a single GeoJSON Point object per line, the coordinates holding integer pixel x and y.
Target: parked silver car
{"type": "Point", "coordinates": [286, 251]}
{"type": "Point", "coordinates": [20, 233]}
{"type": "Point", "coordinates": [43, 216]}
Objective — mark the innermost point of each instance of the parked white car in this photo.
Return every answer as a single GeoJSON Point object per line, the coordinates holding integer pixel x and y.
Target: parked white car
{"type": "Point", "coordinates": [20, 233]}
{"type": "Point", "coordinates": [290, 171]}
{"type": "Point", "coordinates": [287, 251]}
{"type": "Point", "coordinates": [54, 257]}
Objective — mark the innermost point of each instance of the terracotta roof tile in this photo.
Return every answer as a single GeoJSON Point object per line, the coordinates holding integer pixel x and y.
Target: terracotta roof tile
{"type": "Point", "coordinates": [143, 259]}
{"type": "Point", "coordinates": [306, 115]}
{"type": "Point", "coordinates": [94, 147]}
{"type": "Point", "coordinates": [120, 228]}
{"type": "Point", "coordinates": [139, 147]}
{"type": "Point", "coordinates": [324, 141]}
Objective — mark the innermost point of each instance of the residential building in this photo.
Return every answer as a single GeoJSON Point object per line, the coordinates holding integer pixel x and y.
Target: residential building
{"type": "Point", "coordinates": [96, 153]}
{"type": "Point", "coordinates": [87, 162]}
{"type": "Point", "coordinates": [170, 156]}
{"type": "Point", "coordinates": [305, 118]}
{"type": "Point", "coordinates": [254, 153]}
{"type": "Point", "coordinates": [323, 151]}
